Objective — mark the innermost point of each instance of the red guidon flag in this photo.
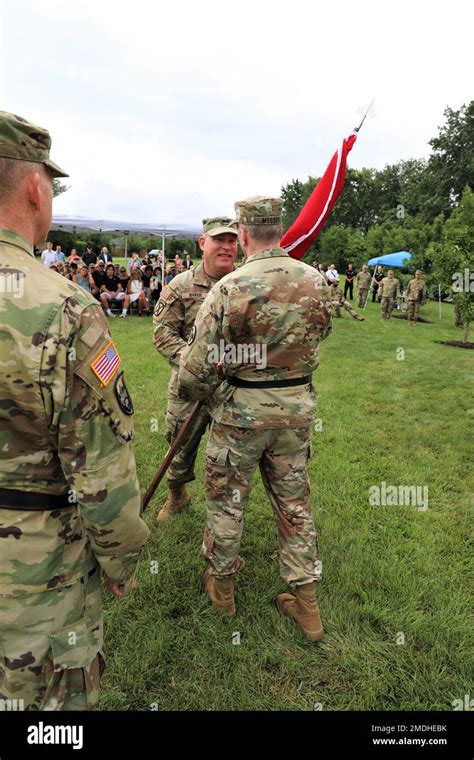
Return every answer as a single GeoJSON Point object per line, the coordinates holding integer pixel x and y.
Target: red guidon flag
{"type": "Point", "coordinates": [317, 208]}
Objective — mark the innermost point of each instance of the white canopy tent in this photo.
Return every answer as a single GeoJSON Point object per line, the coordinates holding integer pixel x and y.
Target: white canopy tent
{"type": "Point", "coordinates": [165, 231]}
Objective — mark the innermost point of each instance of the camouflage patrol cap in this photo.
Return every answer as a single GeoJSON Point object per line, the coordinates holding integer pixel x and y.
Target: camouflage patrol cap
{"type": "Point", "coordinates": [24, 141]}
{"type": "Point", "coordinates": [259, 209]}
{"type": "Point", "coordinates": [219, 225]}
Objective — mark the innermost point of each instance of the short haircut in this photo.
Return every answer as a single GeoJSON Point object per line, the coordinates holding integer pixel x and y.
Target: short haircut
{"type": "Point", "coordinates": [265, 233]}
{"type": "Point", "coordinates": [12, 171]}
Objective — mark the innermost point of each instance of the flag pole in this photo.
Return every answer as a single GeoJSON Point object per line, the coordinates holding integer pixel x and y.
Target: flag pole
{"type": "Point", "coordinates": [356, 129]}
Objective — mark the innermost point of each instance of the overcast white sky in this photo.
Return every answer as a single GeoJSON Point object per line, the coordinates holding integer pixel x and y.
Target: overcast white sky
{"type": "Point", "coordinates": [168, 112]}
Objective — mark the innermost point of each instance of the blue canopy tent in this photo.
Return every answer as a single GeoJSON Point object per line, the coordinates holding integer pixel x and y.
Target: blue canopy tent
{"type": "Point", "coordinates": [395, 260]}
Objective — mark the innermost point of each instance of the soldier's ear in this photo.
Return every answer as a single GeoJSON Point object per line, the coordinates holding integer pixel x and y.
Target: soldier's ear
{"type": "Point", "coordinates": [243, 236]}
{"type": "Point", "coordinates": [34, 190]}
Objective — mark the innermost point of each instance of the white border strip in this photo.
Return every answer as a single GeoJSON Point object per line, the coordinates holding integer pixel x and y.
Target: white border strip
{"type": "Point", "coordinates": [303, 237]}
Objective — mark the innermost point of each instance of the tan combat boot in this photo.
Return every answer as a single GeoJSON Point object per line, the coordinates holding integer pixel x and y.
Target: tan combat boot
{"type": "Point", "coordinates": [221, 592]}
{"type": "Point", "coordinates": [303, 608]}
{"type": "Point", "coordinates": [178, 498]}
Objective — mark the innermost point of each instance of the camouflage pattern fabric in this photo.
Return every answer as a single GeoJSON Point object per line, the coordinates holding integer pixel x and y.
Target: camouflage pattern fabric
{"type": "Point", "coordinates": [259, 209]}
{"type": "Point", "coordinates": [24, 141]}
{"type": "Point", "coordinates": [283, 305]}
{"type": "Point", "coordinates": [413, 310]}
{"type": "Point", "coordinates": [181, 469]}
{"type": "Point", "coordinates": [275, 308]}
{"type": "Point", "coordinates": [389, 290]}
{"type": "Point", "coordinates": [338, 300]}
{"type": "Point", "coordinates": [362, 293]}
{"type": "Point", "coordinates": [51, 646]}
{"type": "Point", "coordinates": [416, 291]}
{"type": "Point", "coordinates": [415, 297]}
{"type": "Point", "coordinates": [219, 225]}
{"type": "Point", "coordinates": [232, 455]}
{"type": "Point", "coordinates": [62, 431]}
{"type": "Point", "coordinates": [387, 305]}
{"type": "Point", "coordinates": [363, 280]}
{"type": "Point", "coordinates": [173, 319]}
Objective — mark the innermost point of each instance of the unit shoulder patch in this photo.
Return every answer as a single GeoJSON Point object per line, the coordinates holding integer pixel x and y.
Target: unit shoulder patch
{"type": "Point", "coordinates": [123, 396]}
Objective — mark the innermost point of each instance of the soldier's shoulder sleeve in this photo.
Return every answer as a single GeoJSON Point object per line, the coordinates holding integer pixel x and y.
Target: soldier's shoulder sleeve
{"type": "Point", "coordinates": [198, 375]}
{"type": "Point", "coordinates": [94, 430]}
{"type": "Point", "coordinates": [169, 321]}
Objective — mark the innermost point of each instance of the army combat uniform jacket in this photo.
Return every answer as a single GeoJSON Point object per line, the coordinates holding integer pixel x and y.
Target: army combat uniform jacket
{"type": "Point", "coordinates": [65, 432]}
{"type": "Point", "coordinates": [176, 312]}
{"type": "Point", "coordinates": [265, 321]}
{"type": "Point", "coordinates": [389, 288]}
{"type": "Point", "coordinates": [416, 291]}
{"type": "Point", "coordinates": [363, 280]}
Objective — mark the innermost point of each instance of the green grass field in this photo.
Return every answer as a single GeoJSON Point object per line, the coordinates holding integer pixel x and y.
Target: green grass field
{"type": "Point", "coordinates": [394, 597]}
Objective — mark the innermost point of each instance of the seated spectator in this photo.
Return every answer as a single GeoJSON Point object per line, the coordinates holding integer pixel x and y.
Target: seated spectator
{"type": "Point", "coordinates": [54, 267]}
{"type": "Point", "coordinates": [134, 261]}
{"type": "Point", "coordinates": [73, 256]}
{"type": "Point", "coordinates": [155, 284]}
{"type": "Point", "coordinates": [99, 275]}
{"type": "Point", "coordinates": [146, 259]}
{"type": "Point", "coordinates": [124, 278]}
{"type": "Point", "coordinates": [172, 273]}
{"type": "Point", "coordinates": [83, 278]}
{"type": "Point", "coordinates": [111, 290]}
{"type": "Point", "coordinates": [72, 271]}
{"type": "Point", "coordinates": [66, 271]}
{"type": "Point", "coordinates": [146, 277]}
{"type": "Point", "coordinates": [136, 291]}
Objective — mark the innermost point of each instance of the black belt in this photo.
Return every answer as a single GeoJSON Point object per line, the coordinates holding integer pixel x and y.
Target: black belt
{"type": "Point", "coordinates": [239, 383]}
{"type": "Point", "coordinates": [29, 500]}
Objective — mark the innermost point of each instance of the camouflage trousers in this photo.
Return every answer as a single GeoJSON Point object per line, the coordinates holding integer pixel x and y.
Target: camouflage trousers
{"type": "Point", "coordinates": [51, 647]}
{"type": "Point", "coordinates": [336, 308]}
{"type": "Point", "coordinates": [181, 469]}
{"type": "Point", "coordinates": [232, 455]}
{"type": "Point", "coordinates": [413, 310]}
{"type": "Point", "coordinates": [386, 306]}
{"type": "Point", "coordinates": [362, 297]}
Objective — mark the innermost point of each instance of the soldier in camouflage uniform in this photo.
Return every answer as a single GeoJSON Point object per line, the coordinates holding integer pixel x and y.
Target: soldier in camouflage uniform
{"type": "Point", "coordinates": [415, 297]}
{"type": "Point", "coordinates": [363, 281]}
{"type": "Point", "coordinates": [266, 321]}
{"type": "Point", "coordinates": [69, 496]}
{"type": "Point", "coordinates": [389, 290]}
{"type": "Point", "coordinates": [173, 319]}
{"type": "Point", "coordinates": [338, 300]}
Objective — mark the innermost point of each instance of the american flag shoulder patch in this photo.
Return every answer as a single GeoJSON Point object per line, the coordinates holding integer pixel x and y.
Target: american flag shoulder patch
{"type": "Point", "coordinates": [106, 364]}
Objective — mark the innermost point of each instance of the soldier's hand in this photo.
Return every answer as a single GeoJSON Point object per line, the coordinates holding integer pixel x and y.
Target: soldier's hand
{"type": "Point", "coordinates": [116, 588]}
